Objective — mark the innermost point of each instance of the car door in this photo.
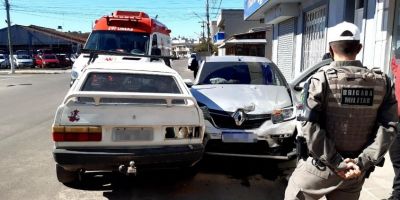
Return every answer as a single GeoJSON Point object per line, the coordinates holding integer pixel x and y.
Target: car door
{"type": "Point", "coordinates": [297, 85]}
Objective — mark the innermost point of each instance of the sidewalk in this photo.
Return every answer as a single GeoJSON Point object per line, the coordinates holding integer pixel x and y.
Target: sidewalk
{"type": "Point", "coordinates": [37, 71]}
{"type": "Point", "coordinates": [379, 184]}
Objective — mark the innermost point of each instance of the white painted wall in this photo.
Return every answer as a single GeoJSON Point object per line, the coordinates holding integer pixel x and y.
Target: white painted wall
{"type": "Point", "coordinates": [275, 44]}
{"type": "Point", "coordinates": [376, 32]}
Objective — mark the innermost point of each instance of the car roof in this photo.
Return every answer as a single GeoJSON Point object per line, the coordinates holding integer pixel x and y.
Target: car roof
{"type": "Point", "coordinates": [236, 59]}
{"type": "Point", "coordinates": [144, 66]}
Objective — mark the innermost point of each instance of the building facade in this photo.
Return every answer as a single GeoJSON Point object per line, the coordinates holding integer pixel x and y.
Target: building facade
{"type": "Point", "coordinates": [301, 29]}
{"type": "Point", "coordinates": [33, 37]}
{"type": "Point", "coordinates": [182, 47]}
{"type": "Point", "coordinates": [231, 22]}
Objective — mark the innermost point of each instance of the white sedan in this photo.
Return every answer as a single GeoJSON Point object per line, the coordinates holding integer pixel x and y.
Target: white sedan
{"type": "Point", "coordinates": [126, 116]}
{"type": "Point", "coordinates": [247, 106]}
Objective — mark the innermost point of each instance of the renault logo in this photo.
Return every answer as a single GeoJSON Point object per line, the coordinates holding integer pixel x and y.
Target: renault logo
{"type": "Point", "coordinates": [239, 116]}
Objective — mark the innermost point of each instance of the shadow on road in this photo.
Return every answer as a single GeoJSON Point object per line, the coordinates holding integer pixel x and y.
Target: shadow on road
{"type": "Point", "coordinates": [216, 178]}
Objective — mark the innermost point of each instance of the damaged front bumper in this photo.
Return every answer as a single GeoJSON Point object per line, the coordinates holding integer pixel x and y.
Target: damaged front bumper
{"type": "Point", "coordinates": [270, 141]}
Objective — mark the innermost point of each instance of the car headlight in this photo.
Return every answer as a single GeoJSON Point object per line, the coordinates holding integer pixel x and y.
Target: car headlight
{"type": "Point", "coordinates": [206, 113]}
{"type": "Point", "coordinates": [74, 74]}
{"type": "Point", "coordinates": [281, 115]}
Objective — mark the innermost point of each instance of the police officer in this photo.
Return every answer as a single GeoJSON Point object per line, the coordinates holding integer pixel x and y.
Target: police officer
{"type": "Point", "coordinates": [349, 121]}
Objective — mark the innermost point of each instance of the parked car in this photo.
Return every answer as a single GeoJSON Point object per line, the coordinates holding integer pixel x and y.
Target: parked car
{"type": "Point", "coordinates": [247, 108]}
{"type": "Point", "coordinates": [297, 84]}
{"type": "Point", "coordinates": [22, 52]}
{"type": "Point", "coordinates": [44, 51]}
{"type": "Point", "coordinates": [4, 62]}
{"type": "Point", "coordinates": [23, 61]}
{"type": "Point", "coordinates": [126, 116]}
{"type": "Point", "coordinates": [63, 60]}
{"type": "Point", "coordinates": [47, 61]}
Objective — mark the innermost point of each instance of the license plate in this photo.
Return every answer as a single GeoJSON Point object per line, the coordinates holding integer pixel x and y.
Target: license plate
{"type": "Point", "coordinates": [238, 137]}
{"type": "Point", "coordinates": [132, 134]}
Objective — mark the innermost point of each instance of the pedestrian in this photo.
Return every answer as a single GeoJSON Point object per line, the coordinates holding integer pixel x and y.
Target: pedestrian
{"type": "Point", "coordinates": [348, 121]}
{"type": "Point", "coordinates": [394, 151]}
{"type": "Point", "coordinates": [193, 64]}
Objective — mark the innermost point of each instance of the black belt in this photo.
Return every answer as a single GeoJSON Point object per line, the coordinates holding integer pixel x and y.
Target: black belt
{"type": "Point", "coordinates": [318, 164]}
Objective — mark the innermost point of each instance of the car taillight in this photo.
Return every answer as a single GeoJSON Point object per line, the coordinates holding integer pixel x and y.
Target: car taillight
{"type": "Point", "coordinates": [76, 133]}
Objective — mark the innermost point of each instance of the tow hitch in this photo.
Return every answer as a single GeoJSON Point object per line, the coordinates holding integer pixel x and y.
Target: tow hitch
{"type": "Point", "coordinates": [130, 170]}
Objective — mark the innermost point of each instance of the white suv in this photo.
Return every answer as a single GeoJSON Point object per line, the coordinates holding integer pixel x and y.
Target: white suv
{"type": "Point", "coordinates": [125, 116]}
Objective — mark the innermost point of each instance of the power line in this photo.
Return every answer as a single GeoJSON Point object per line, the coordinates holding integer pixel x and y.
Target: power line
{"type": "Point", "coordinates": [219, 7]}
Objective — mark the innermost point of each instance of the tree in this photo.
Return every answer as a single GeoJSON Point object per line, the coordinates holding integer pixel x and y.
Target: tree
{"type": "Point", "coordinates": [202, 47]}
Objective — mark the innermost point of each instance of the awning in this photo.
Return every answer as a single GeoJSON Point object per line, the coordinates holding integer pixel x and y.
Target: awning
{"type": "Point", "coordinates": [243, 41]}
{"type": "Point", "coordinates": [255, 10]}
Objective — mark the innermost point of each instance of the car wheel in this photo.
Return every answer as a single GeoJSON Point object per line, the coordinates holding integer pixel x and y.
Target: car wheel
{"type": "Point", "coordinates": [65, 176]}
{"type": "Point", "coordinates": [191, 171]}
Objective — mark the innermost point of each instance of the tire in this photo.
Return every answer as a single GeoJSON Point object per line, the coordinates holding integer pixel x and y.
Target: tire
{"type": "Point", "coordinates": [191, 171]}
{"type": "Point", "coordinates": [65, 176]}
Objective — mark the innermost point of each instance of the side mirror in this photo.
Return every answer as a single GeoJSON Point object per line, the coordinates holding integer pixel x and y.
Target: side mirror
{"type": "Point", "coordinates": [188, 82]}
{"type": "Point", "coordinates": [156, 51]}
{"type": "Point", "coordinates": [300, 86]}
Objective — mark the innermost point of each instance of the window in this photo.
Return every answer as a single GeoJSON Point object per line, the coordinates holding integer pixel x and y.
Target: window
{"type": "Point", "coordinates": [49, 57]}
{"type": "Point", "coordinates": [120, 82]}
{"type": "Point", "coordinates": [128, 42]}
{"type": "Point", "coordinates": [251, 73]}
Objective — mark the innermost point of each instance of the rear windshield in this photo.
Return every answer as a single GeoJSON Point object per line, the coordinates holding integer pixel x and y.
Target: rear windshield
{"type": "Point", "coordinates": [121, 82]}
{"type": "Point", "coordinates": [1, 57]}
{"type": "Point", "coordinates": [249, 73]}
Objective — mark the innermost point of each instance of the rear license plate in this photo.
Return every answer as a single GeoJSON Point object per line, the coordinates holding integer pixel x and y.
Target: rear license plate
{"type": "Point", "coordinates": [238, 137]}
{"type": "Point", "coordinates": [132, 134]}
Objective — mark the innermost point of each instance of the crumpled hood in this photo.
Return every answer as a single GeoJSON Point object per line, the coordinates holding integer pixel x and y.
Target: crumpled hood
{"type": "Point", "coordinates": [230, 98]}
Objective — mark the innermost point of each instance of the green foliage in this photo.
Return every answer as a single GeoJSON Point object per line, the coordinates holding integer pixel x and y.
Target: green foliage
{"type": "Point", "coordinates": [202, 47]}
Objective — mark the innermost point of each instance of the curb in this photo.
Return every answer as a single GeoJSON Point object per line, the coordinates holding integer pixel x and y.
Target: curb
{"type": "Point", "coordinates": [61, 71]}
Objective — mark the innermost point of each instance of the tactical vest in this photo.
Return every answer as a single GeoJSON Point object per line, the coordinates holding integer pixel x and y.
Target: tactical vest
{"type": "Point", "coordinates": [354, 95]}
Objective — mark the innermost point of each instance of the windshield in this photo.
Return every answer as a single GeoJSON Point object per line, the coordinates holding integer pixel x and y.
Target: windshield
{"type": "Point", "coordinates": [23, 57]}
{"type": "Point", "coordinates": [49, 57]}
{"type": "Point", "coordinates": [250, 73]}
{"type": "Point", "coordinates": [1, 57]}
{"type": "Point", "coordinates": [127, 42]}
{"type": "Point", "coordinates": [119, 82]}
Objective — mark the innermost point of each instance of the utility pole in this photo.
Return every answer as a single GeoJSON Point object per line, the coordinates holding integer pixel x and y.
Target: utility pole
{"type": "Point", "coordinates": [208, 26]}
{"type": "Point", "coordinates": [9, 38]}
{"type": "Point", "coordinates": [202, 26]}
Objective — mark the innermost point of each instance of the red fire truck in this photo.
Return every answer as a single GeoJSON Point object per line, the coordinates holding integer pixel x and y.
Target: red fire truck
{"type": "Point", "coordinates": [128, 32]}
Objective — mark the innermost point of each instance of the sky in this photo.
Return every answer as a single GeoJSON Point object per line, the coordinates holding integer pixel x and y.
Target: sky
{"type": "Point", "coordinates": [183, 17]}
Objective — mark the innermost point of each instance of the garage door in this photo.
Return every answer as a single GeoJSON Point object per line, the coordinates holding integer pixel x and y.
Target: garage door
{"type": "Point", "coordinates": [286, 48]}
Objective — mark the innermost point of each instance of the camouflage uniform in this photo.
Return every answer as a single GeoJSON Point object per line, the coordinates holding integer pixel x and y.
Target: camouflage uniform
{"type": "Point", "coordinates": [350, 112]}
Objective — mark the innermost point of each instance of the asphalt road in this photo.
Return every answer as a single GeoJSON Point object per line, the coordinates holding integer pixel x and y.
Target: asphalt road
{"type": "Point", "coordinates": [27, 106]}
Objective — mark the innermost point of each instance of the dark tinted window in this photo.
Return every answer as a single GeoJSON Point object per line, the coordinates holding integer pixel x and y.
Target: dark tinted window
{"type": "Point", "coordinates": [49, 57]}
{"type": "Point", "coordinates": [119, 82]}
{"type": "Point", "coordinates": [23, 57]}
{"type": "Point", "coordinates": [254, 73]}
{"type": "Point", "coordinates": [123, 41]}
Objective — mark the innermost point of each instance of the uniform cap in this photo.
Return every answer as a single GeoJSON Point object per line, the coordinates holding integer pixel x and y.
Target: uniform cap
{"type": "Point", "coordinates": [345, 31]}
